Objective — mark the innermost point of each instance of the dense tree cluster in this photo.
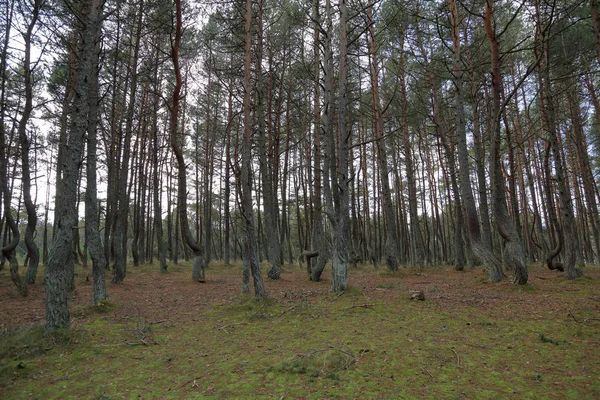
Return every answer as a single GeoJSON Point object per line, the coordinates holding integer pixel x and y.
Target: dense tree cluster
{"type": "Point", "coordinates": [391, 132]}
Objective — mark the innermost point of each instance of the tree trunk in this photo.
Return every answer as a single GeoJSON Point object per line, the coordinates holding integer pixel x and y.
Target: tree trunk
{"type": "Point", "coordinates": [33, 253]}
{"type": "Point", "coordinates": [339, 174]}
{"type": "Point", "coordinates": [92, 231]}
{"type": "Point", "coordinates": [177, 146]}
{"type": "Point", "coordinates": [251, 263]}
{"type": "Point", "coordinates": [391, 243]}
{"type": "Point", "coordinates": [319, 242]}
{"type": "Point", "coordinates": [481, 249]}
{"type": "Point", "coordinates": [514, 257]}
{"type": "Point", "coordinates": [122, 212]}
{"type": "Point", "coordinates": [88, 23]}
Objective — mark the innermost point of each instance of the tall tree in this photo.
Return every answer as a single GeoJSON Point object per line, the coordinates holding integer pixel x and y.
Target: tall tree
{"type": "Point", "coordinates": [481, 248]}
{"type": "Point", "coordinates": [514, 256]}
{"type": "Point", "coordinates": [250, 254]}
{"type": "Point", "coordinates": [336, 185]}
{"type": "Point", "coordinates": [391, 243]}
{"type": "Point", "coordinates": [88, 22]}
{"type": "Point", "coordinates": [177, 141]}
{"type": "Point", "coordinates": [33, 252]}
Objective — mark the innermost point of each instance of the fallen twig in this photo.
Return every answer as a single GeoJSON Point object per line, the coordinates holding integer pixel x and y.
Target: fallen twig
{"type": "Point", "coordinates": [427, 372]}
{"type": "Point", "coordinates": [362, 305]}
{"type": "Point", "coordinates": [224, 327]}
{"type": "Point", "coordinates": [571, 314]}
{"type": "Point", "coordinates": [190, 381]}
{"type": "Point", "coordinates": [457, 358]}
{"type": "Point", "coordinates": [290, 308]}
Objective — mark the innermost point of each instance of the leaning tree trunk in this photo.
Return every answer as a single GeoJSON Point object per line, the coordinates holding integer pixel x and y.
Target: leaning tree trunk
{"type": "Point", "coordinates": [88, 23]}
{"type": "Point", "coordinates": [514, 255]}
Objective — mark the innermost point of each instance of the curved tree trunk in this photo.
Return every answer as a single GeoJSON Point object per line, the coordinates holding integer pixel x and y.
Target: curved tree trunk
{"type": "Point", "coordinates": [317, 264]}
{"type": "Point", "coordinates": [177, 146]}
{"type": "Point", "coordinates": [481, 248]}
{"type": "Point", "coordinates": [33, 253]}
{"type": "Point", "coordinates": [514, 256]}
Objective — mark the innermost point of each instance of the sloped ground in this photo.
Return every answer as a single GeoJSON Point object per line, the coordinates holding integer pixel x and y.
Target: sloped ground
{"type": "Point", "coordinates": [166, 336]}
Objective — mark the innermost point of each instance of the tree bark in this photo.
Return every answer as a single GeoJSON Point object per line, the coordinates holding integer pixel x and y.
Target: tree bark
{"type": "Point", "coordinates": [250, 255]}
{"type": "Point", "coordinates": [88, 25]}
{"type": "Point", "coordinates": [481, 248]}
{"type": "Point", "coordinates": [514, 257]}
{"type": "Point", "coordinates": [92, 228]}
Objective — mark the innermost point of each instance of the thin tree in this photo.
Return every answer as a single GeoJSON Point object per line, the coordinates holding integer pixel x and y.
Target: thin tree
{"type": "Point", "coordinates": [250, 253]}
{"type": "Point", "coordinates": [177, 140]}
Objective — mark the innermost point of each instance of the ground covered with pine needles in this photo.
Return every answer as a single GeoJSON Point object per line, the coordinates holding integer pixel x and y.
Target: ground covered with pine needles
{"type": "Point", "coordinates": [435, 333]}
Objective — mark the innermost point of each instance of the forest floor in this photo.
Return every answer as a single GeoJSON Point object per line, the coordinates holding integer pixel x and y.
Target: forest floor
{"type": "Point", "coordinates": [166, 336]}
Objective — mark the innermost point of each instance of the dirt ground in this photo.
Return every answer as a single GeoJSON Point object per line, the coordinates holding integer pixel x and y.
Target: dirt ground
{"type": "Point", "coordinates": [175, 297]}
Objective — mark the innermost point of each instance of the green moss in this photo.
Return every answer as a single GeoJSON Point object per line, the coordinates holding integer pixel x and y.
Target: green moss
{"type": "Point", "coordinates": [321, 347]}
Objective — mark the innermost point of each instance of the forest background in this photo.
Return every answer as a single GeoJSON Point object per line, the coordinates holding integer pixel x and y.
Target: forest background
{"type": "Point", "coordinates": [393, 133]}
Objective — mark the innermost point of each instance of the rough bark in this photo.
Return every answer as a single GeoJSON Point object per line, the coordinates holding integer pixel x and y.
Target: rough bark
{"type": "Point", "coordinates": [481, 248]}
{"type": "Point", "coordinates": [92, 228]}
{"type": "Point", "coordinates": [514, 257]}
{"type": "Point", "coordinates": [88, 26]}
{"type": "Point", "coordinates": [339, 175]}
